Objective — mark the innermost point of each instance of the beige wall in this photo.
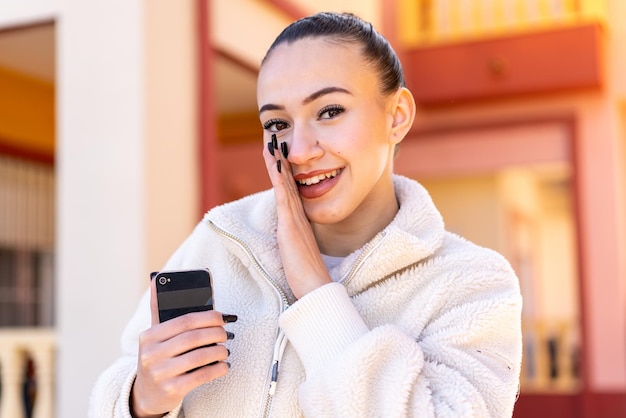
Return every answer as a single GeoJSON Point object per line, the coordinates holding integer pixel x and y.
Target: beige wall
{"type": "Point", "coordinates": [172, 152]}
{"type": "Point", "coordinates": [127, 171]}
{"type": "Point", "coordinates": [460, 199]}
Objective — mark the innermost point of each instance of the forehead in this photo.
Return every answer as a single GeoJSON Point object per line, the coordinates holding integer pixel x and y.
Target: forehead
{"type": "Point", "coordinates": [313, 63]}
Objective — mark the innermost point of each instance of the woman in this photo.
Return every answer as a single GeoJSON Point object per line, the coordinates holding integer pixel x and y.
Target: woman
{"type": "Point", "coordinates": [344, 294]}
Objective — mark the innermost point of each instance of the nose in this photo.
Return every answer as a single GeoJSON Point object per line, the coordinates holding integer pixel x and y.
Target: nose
{"type": "Point", "coordinates": [303, 147]}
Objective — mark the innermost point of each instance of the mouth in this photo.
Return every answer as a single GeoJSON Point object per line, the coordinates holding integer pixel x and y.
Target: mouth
{"type": "Point", "coordinates": [319, 178]}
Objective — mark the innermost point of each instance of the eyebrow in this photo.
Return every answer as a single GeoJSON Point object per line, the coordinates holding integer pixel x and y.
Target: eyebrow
{"type": "Point", "coordinates": [308, 99]}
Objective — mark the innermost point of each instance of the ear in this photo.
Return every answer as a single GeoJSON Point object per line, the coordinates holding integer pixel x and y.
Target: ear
{"type": "Point", "coordinates": [403, 114]}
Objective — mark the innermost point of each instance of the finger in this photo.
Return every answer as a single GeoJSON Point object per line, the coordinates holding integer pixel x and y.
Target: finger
{"type": "Point", "coordinates": [276, 152]}
{"type": "Point", "coordinates": [186, 382]}
{"type": "Point", "coordinates": [161, 332]}
{"type": "Point", "coordinates": [281, 155]}
{"type": "Point", "coordinates": [283, 182]}
{"type": "Point", "coordinates": [192, 340]}
{"type": "Point", "coordinates": [189, 322]}
{"type": "Point", "coordinates": [200, 357]}
{"type": "Point", "coordinates": [271, 156]}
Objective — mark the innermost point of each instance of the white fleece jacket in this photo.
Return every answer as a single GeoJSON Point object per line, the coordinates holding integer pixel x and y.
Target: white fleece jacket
{"type": "Point", "coordinates": [419, 322]}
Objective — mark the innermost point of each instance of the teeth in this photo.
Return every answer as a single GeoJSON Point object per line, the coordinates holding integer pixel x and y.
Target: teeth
{"type": "Point", "coordinates": [317, 179]}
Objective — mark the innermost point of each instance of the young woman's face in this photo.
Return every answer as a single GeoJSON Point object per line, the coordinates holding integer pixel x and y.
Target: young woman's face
{"type": "Point", "coordinates": [323, 99]}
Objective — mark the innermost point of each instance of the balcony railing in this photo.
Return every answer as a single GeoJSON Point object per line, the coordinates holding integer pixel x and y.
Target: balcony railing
{"type": "Point", "coordinates": [431, 21]}
{"type": "Point", "coordinates": [551, 361]}
{"type": "Point", "coordinates": [24, 350]}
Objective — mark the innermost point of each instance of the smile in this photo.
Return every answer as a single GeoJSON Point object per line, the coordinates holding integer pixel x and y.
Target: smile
{"type": "Point", "coordinates": [316, 179]}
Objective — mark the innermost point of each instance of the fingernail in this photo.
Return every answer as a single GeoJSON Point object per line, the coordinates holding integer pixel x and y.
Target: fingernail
{"type": "Point", "coordinates": [227, 352]}
{"type": "Point", "coordinates": [283, 148]}
{"type": "Point", "coordinates": [274, 141]}
{"type": "Point", "coordinates": [229, 335]}
{"type": "Point", "coordinates": [228, 364]}
{"type": "Point", "coordinates": [278, 165]}
{"type": "Point", "coordinates": [229, 318]}
{"type": "Point", "coordinates": [270, 148]}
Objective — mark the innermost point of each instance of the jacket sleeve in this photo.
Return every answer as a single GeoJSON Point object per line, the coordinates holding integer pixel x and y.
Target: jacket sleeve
{"type": "Point", "coordinates": [464, 362]}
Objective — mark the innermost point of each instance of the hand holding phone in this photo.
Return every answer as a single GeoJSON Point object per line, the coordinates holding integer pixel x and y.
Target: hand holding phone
{"type": "Point", "coordinates": [176, 354]}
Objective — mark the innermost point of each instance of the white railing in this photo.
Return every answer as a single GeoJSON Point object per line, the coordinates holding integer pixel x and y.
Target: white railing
{"type": "Point", "coordinates": [551, 357]}
{"type": "Point", "coordinates": [17, 346]}
{"type": "Point", "coordinates": [428, 21]}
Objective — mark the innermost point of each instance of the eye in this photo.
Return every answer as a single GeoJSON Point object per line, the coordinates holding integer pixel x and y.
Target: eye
{"type": "Point", "coordinates": [330, 112]}
{"type": "Point", "coordinates": [275, 125]}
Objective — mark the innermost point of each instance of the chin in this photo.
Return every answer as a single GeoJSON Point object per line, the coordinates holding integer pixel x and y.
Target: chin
{"type": "Point", "coordinates": [322, 216]}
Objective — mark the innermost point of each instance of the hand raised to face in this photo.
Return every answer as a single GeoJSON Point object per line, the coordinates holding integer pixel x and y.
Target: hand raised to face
{"type": "Point", "coordinates": [299, 252]}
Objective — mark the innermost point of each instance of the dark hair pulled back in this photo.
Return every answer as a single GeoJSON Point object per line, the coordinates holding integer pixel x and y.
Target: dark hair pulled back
{"type": "Point", "coordinates": [346, 27]}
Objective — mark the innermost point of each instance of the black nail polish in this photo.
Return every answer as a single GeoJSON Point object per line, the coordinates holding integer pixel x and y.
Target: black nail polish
{"type": "Point", "coordinates": [274, 141]}
{"type": "Point", "coordinates": [229, 335]}
{"type": "Point", "coordinates": [278, 165]}
{"type": "Point", "coordinates": [270, 147]}
{"type": "Point", "coordinates": [283, 148]}
{"type": "Point", "coordinates": [229, 318]}
{"type": "Point", "coordinates": [227, 352]}
{"type": "Point", "coordinates": [228, 364]}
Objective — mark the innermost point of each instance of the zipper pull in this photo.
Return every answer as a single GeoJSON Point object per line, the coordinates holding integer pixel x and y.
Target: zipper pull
{"type": "Point", "coordinates": [274, 378]}
{"type": "Point", "coordinates": [279, 349]}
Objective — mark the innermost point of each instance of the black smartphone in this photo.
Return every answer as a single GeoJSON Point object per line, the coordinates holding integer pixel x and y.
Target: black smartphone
{"type": "Point", "coordinates": [183, 291]}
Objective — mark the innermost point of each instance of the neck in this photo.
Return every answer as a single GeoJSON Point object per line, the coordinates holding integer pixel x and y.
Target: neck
{"type": "Point", "coordinates": [343, 238]}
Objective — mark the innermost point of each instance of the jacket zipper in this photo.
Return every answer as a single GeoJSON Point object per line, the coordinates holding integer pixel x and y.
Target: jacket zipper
{"type": "Point", "coordinates": [279, 349]}
{"type": "Point", "coordinates": [281, 339]}
{"type": "Point", "coordinates": [365, 253]}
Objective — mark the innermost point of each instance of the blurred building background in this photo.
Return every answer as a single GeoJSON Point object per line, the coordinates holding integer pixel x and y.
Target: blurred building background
{"type": "Point", "coordinates": [121, 122]}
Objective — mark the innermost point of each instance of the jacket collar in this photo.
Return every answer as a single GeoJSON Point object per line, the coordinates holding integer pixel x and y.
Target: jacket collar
{"type": "Point", "coordinates": [414, 234]}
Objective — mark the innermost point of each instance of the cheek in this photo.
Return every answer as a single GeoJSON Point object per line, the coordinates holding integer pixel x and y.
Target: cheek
{"type": "Point", "coordinates": [359, 136]}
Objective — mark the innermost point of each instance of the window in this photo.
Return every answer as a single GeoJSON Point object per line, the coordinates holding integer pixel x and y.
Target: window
{"type": "Point", "coordinates": [26, 242]}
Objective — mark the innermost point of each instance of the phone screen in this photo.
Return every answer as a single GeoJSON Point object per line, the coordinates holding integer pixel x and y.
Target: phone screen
{"type": "Point", "coordinates": [184, 291]}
